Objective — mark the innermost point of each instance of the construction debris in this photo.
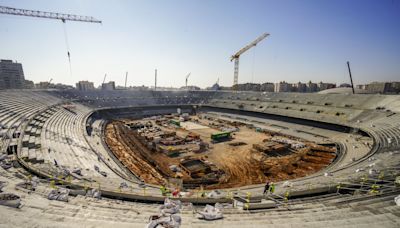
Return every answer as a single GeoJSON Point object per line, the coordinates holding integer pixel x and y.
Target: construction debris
{"type": "Point", "coordinates": [168, 216]}
{"type": "Point", "coordinates": [210, 213]}
{"type": "Point", "coordinates": [59, 194]}
{"type": "Point", "coordinates": [94, 193]}
{"type": "Point", "coordinates": [10, 200]}
{"type": "Point", "coordinates": [397, 200]}
{"type": "Point", "coordinates": [172, 221]}
{"type": "Point", "coordinates": [170, 207]}
{"type": "Point", "coordinates": [2, 185]}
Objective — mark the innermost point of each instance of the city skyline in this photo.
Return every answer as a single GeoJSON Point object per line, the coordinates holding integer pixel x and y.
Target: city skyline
{"type": "Point", "coordinates": [310, 40]}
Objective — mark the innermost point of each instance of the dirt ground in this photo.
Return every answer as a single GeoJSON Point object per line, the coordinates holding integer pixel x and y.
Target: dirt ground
{"type": "Point", "coordinates": [242, 165]}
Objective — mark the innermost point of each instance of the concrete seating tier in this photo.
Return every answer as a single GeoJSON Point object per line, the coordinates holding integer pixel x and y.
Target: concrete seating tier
{"type": "Point", "coordinates": [54, 140]}
{"type": "Point", "coordinates": [336, 210]}
{"type": "Point", "coordinates": [61, 145]}
{"type": "Point", "coordinates": [16, 106]}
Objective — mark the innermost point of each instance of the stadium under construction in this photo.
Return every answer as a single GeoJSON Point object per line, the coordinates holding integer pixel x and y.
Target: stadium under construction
{"type": "Point", "coordinates": [331, 157]}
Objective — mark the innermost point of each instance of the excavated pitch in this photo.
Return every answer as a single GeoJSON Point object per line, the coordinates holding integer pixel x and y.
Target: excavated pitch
{"type": "Point", "coordinates": [241, 165]}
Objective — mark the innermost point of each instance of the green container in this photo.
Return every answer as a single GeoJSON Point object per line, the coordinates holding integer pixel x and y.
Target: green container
{"type": "Point", "coordinates": [220, 135]}
{"type": "Point", "coordinates": [175, 122]}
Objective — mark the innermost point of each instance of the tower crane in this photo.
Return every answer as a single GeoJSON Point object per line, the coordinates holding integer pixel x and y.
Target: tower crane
{"type": "Point", "coordinates": [50, 15]}
{"type": "Point", "coordinates": [186, 80]}
{"type": "Point", "coordinates": [48, 83]}
{"type": "Point", "coordinates": [104, 79]}
{"type": "Point", "coordinates": [241, 51]}
{"type": "Point", "coordinates": [126, 78]}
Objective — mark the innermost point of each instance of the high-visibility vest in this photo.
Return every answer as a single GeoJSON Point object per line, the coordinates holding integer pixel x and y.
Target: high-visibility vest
{"type": "Point", "coordinates": [272, 188]}
{"type": "Point", "coordinates": [163, 189]}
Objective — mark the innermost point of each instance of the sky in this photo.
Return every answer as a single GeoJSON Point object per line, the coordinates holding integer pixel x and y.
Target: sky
{"type": "Point", "coordinates": [309, 40]}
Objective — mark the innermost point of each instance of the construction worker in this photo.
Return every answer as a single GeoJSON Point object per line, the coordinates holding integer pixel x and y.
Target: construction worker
{"type": "Point", "coordinates": [374, 189]}
{"type": "Point", "coordinates": [176, 192]}
{"type": "Point", "coordinates": [272, 188]}
{"type": "Point", "coordinates": [266, 188]}
{"type": "Point", "coordinates": [163, 190]}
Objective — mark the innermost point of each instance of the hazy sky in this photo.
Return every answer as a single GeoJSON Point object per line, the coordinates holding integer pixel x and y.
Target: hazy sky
{"type": "Point", "coordinates": [310, 40]}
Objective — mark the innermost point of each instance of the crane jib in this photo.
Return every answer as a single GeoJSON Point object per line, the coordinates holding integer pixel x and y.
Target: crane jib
{"type": "Point", "coordinates": [241, 51]}
{"type": "Point", "coordinates": [49, 15]}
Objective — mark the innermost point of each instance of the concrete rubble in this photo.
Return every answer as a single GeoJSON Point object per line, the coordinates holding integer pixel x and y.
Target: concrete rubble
{"type": "Point", "coordinates": [168, 216]}
{"type": "Point", "coordinates": [210, 213]}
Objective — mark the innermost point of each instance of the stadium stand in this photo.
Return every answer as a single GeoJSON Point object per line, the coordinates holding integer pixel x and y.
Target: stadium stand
{"type": "Point", "coordinates": [45, 134]}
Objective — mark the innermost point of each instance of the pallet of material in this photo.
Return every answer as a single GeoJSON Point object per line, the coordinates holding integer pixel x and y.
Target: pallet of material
{"type": "Point", "coordinates": [38, 132]}
{"type": "Point", "coordinates": [25, 140]}
{"type": "Point", "coordinates": [38, 119]}
{"type": "Point", "coordinates": [244, 204]}
{"type": "Point", "coordinates": [33, 131]}
{"type": "Point", "coordinates": [28, 129]}
{"type": "Point", "coordinates": [32, 154]}
{"type": "Point", "coordinates": [39, 156]}
{"type": "Point", "coordinates": [32, 140]}
{"type": "Point", "coordinates": [24, 153]}
{"type": "Point", "coordinates": [37, 142]}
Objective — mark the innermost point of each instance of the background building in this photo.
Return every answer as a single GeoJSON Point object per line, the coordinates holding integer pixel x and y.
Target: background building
{"type": "Point", "coordinates": [11, 75]}
{"type": "Point", "coordinates": [324, 86]}
{"type": "Point", "coordinates": [282, 87]}
{"type": "Point", "coordinates": [108, 86]}
{"type": "Point", "coordinates": [249, 87]}
{"type": "Point", "coordinates": [364, 87]}
{"type": "Point", "coordinates": [214, 87]}
{"type": "Point", "coordinates": [378, 87]}
{"type": "Point", "coordinates": [345, 85]}
{"type": "Point", "coordinates": [192, 87]}
{"type": "Point", "coordinates": [43, 85]}
{"type": "Point", "coordinates": [84, 85]}
{"type": "Point", "coordinates": [395, 87]}
{"type": "Point", "coordinates": [300, 87]}
{"type": "Point", "coordinates": [267, 87]}
{"type": "Point", "coordinates": [29, 84]}
{"type": "Point", "coordinates": [381, 87]}
{"type": "Point", "coordinates": [312, 87]}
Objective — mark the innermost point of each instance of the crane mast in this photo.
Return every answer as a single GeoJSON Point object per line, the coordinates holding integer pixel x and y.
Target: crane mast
{"type": "Point", "coordinates": [155, 80]}
{"type": "Point", "coordinates": [104, 79]}
{"type": "Point", "coordinates": [186, 80]}
{"type": "Point", "coordinates": [241, 51]}
{"type": "Point", "coordinates": [126, 78]}
{"type": "Point", "coordinates": [50, 15]}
